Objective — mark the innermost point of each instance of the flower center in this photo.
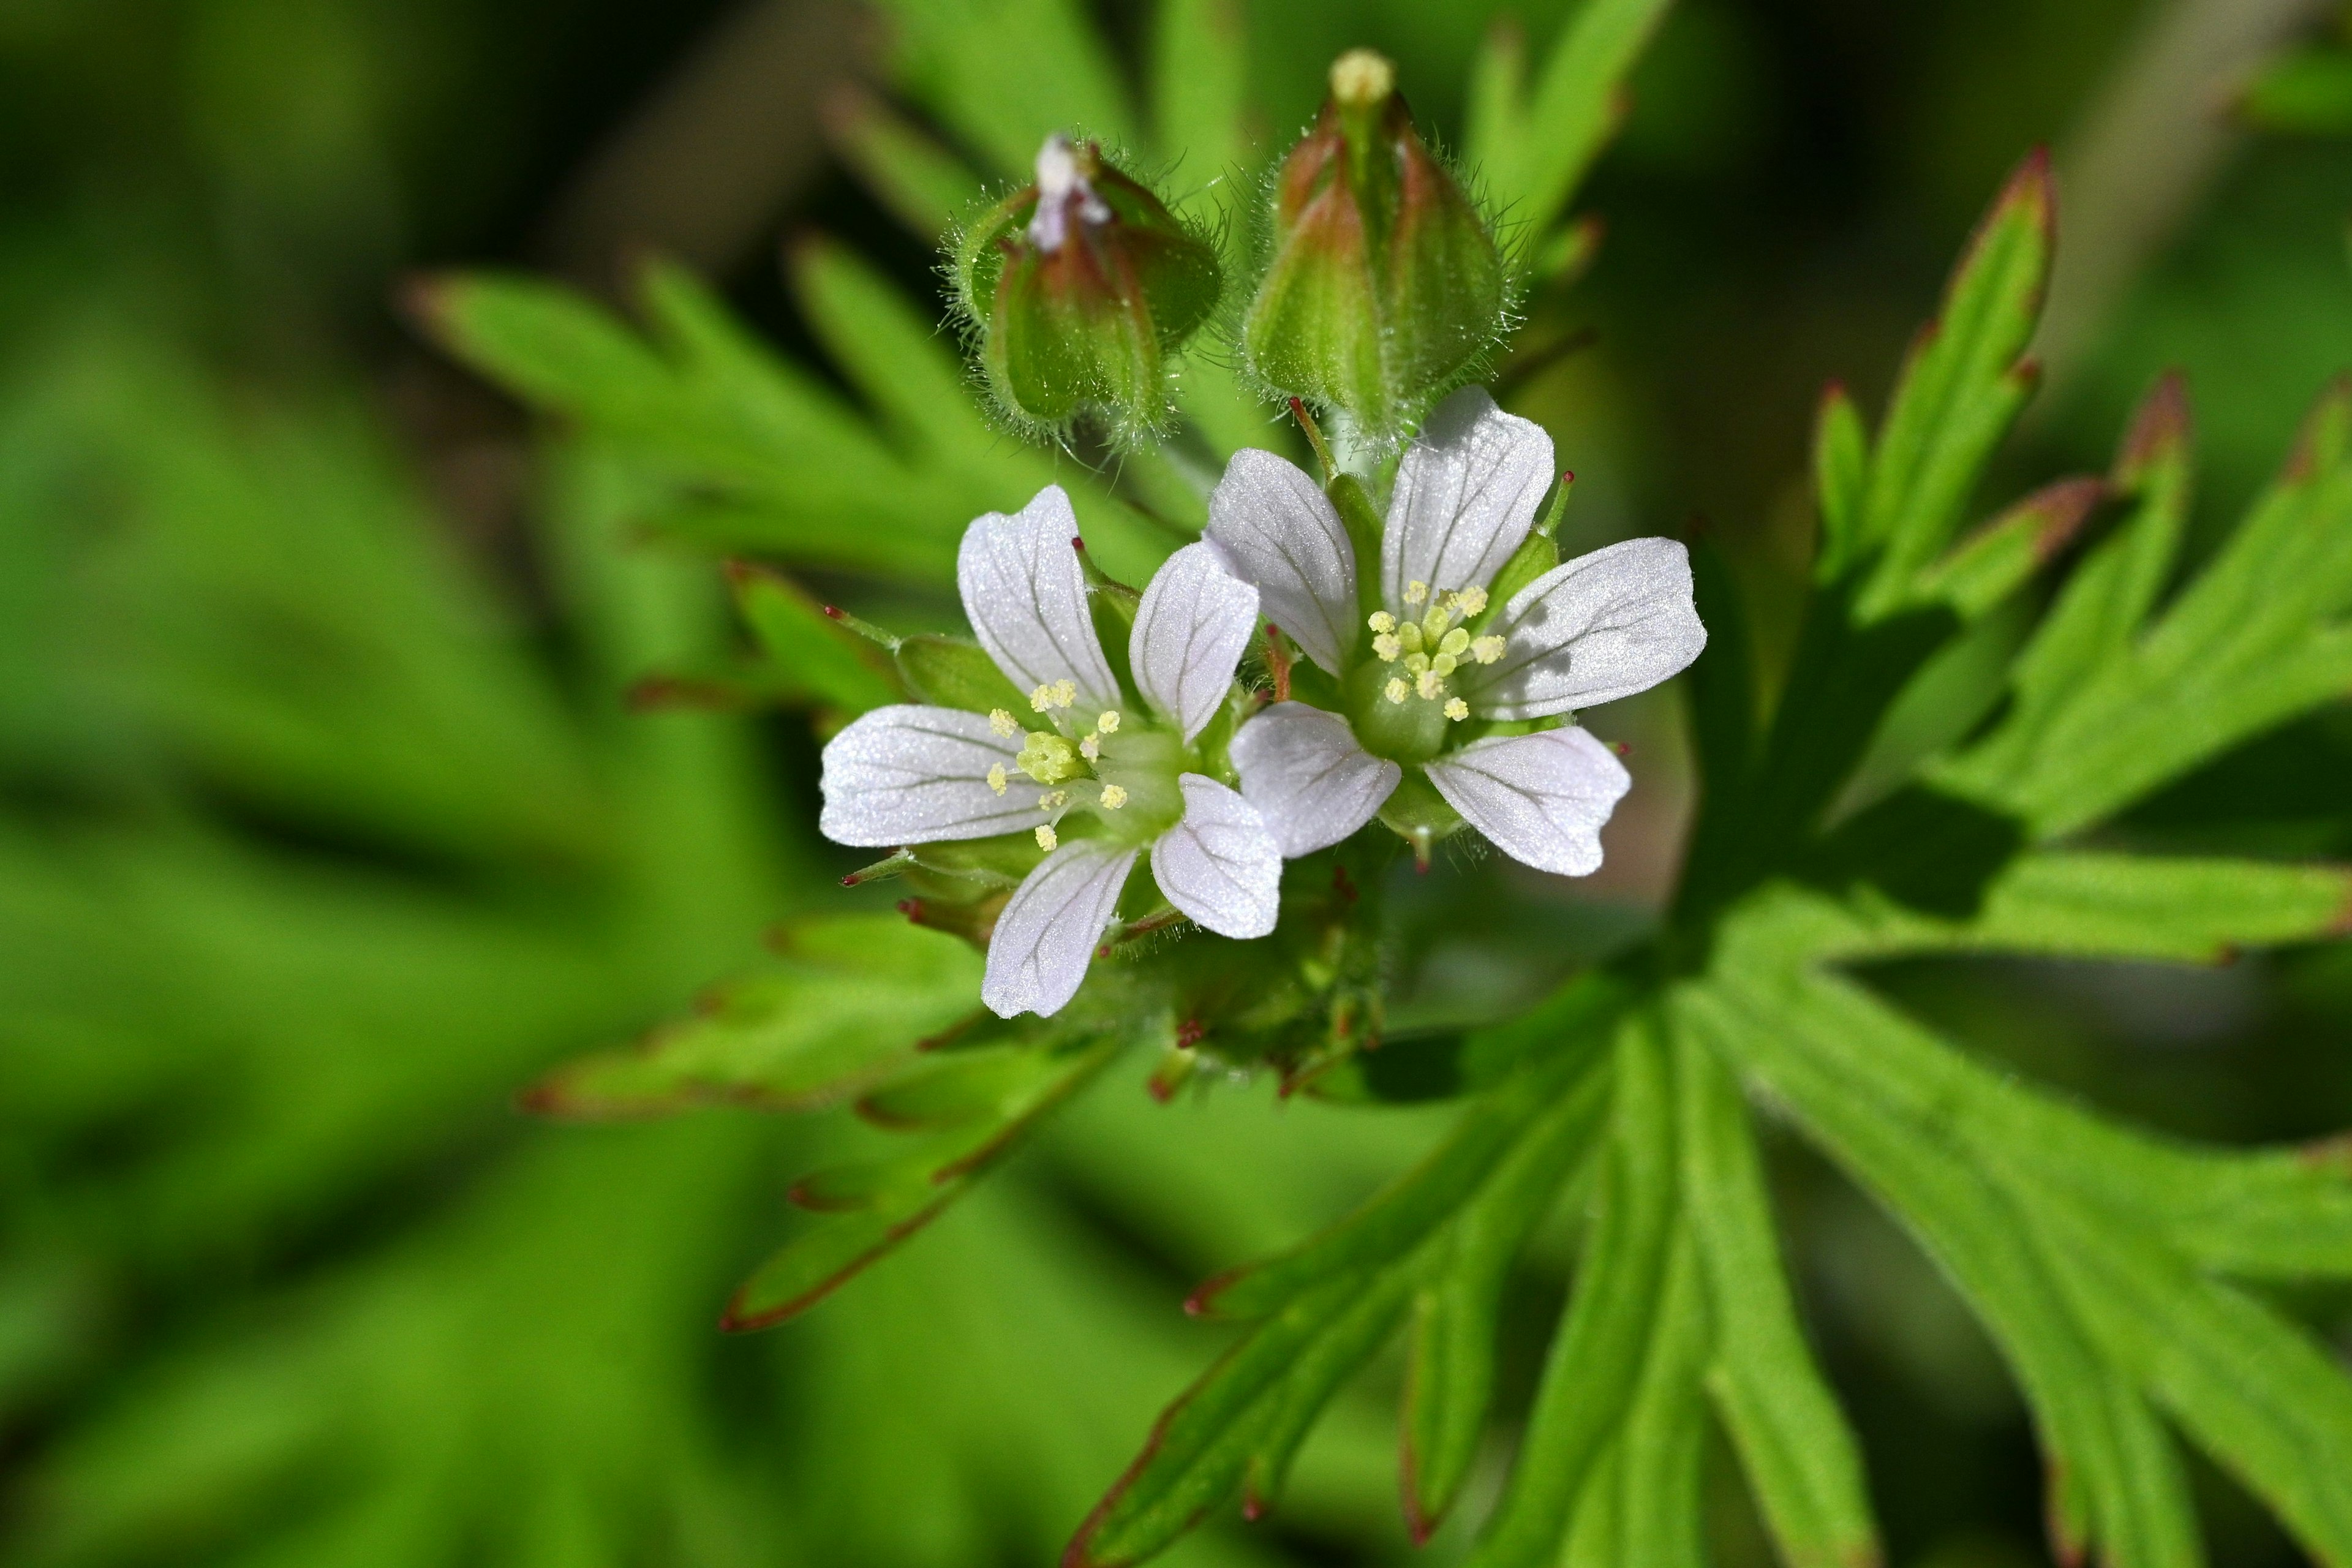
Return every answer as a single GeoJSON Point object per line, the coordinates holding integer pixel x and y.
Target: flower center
{"type": "Point", "coordinates": [1119, 781]}
{"type": "Point", "coordinates": [1420, 654]}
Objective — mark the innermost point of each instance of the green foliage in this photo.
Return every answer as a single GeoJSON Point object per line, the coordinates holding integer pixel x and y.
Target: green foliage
{"type": "Point", "coordinates": [2106, 1262]}
{"type": "Point", "coordinates": [290, 643]}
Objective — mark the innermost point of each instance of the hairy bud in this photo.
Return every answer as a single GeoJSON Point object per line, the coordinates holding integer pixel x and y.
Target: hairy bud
{"type": "Point", "coordinates": [1384, 282]}
{"type": "Point", "coordinates": [1080, 286]}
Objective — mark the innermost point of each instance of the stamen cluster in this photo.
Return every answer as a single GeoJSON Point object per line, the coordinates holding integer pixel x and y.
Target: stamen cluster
{"type": "Point", "coordinates": [1430, 649]}
{"type": "Point", "coordinates": [1052, 759]}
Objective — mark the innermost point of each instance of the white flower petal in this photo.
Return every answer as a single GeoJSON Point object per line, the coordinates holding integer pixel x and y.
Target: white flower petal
{"type": "Point", "coordinates": [1303, 770]}
{"type": "Point", "coordinates": [1589, 631]}
{"type": "Point", "coordinates": [1280, 532]}
{"type": "Point", "coordinates": [1190, 630]}
{"type": "Point", "coordinates": [1220, 865]}
{"type": "Point", "coordinates": [1047, 934]}
{"type": "Point", "coordinates": [912, 774]}
{"type": "Point", "coordinates": [1542, 799]}
{"type": "Point", "coordinates": [1026, 598]}
{"type": "Point", "coordinates": [1467, 492]}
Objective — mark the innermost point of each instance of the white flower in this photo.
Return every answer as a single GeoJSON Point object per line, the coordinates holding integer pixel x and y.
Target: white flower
{"type": "Point", "coordinates": [1593, 629]}
{"type": "Point", "coordinates": [917, 775]}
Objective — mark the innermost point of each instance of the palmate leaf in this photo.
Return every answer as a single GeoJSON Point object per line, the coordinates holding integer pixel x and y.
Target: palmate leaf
{"type": "Point", "coordinates": [1434, 1245]}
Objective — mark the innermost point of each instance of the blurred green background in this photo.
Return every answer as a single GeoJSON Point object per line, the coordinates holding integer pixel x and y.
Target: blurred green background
{"type": "Point", "coordinates": [324, 826]}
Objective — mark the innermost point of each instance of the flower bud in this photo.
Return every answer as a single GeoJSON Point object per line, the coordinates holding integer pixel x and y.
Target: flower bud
{"type": "Point", "coordinates": [1384, 282]}
{"type": "Point", "coordinates": [1079, 286]}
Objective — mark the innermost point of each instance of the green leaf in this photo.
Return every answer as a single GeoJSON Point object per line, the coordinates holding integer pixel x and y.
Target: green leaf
{"type": "Point", "coordinates": [898, 359]}
{"type": "Point", "coordinates": [1982, 569]}
{"type": "Point", "coordinates": [1200, 79]}
{"type": "Point", "coordinates": [2265, 1214]}
{"type": "Point", "coordinates": [868, 1210]}
{"type": "Point", "coordinates": [1660, 1472]}
{"type": "Point", "coordinates": [1962, 385]}
{"type": "Point", "coordinates": [2260, 1395]}
{"type": "Point", "coordinates": [1428, 1197]}
{"type": "Point", "coordinates": [809, 655]}
{"type": "Point", "coordinates": [2087, 904]}
{"type": "Point", "coordinates": [1532, 149]}
{"type": "Point", "coordinates": [758, 456]}
{"type": "Point", "coordinates": [1450, 1367]}
{"type": "Point", "coordinates": [1241, 1421]}
{"type": "Point", "coordinates": [1005, 74]}
{"type": "Point", "coordinates": [1821, 1053]}
{"type": "Point", "coordinates": [1593, 1370]}
{"type": "Point", "coordinates": [2308, 92]}
{"type": "Point", "coordinates": [1802, 1459]}
{"type": "Point", "coordinates": [1841, 476]}
{"type": "Point", "coordinates": [850, 999]}
{"type": "Point", "coordinates": [1437, 1243]}
{"type": "Point", "coordinates": [2257, 639]}
{"type": "Point", "coordinates": [923, 184]}
{"type": "Point", "coordinates": [2098, 611]}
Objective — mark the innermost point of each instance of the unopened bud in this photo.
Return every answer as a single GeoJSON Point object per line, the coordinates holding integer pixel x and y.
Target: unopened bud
{"type": "Point", "coordinates": [1384, 281]}
{"type": "Point", "coordinates": [1080, 286]}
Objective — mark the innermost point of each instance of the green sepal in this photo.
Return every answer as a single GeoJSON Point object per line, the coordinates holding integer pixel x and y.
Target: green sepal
{"type": "Point", "coordinates": [956, 672]}
{"type": "Point", "coordinates": [809, 649]}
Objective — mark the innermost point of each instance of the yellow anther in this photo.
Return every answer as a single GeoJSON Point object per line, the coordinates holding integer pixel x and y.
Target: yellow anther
{"type": "Point", "coordinates": [1046, 838]}
{"type": "Point", "coordinates": [1002, 722]}
{"type": "Point", "coordinates": [1041, 699]}
{"type": "Point", "coordinates": [1090, 748]}
{"type": "Point", "coordinates": [1382, 621]}
{"type": "Point", "coordinates": [1054, 800]}
{"type": "Point", "coordinates": [1113, 797]}
{"type": "Point", "coordinates": [1409, 637]}
{"type": "Point", "coordinates": [1416, 592]}
{"type": "Point", "coordinates": [1487, 649]}
{"type": "Point", "coordinates": [1396, 692]}
{"type": "Point", "coordinates": [1386, 649]}
{"type": "Point", "coordinates": [996, 778]}
{"type": "Point", "coordinates": [1454, 642]}
{"type": "Point", "coordinates": [1443, 664]}
{"type": "Point", "coordinates": [1474, 602]}
{"type": "Point", "coordinates": [1106, 721]}
{"type": "Point", "coordinates": [1428, 684]}
{"type": "Point", "coordinates": [1456, 710]}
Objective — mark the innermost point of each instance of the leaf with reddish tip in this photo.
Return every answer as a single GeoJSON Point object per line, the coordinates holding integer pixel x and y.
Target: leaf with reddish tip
{"type": "Point", "coordinates": [2107, 712]}
{"type": "Point", "coordinates": [1447, 1232]}
{"type": "Point", "coordinates": [811, 657]}
{"type": "Point", "coordinates": [1962, 385]}
{"type": "Point", "coordinates": [850, 997]}
{"type": "Point", "coordinates": [1983, 569]}
{"type": "Point", "coordinates": [824, 1258]}
{"type": "Point", "coordinates": [1233, 1431]}
{"type": "Point", "coordinates": [869, 1208]}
